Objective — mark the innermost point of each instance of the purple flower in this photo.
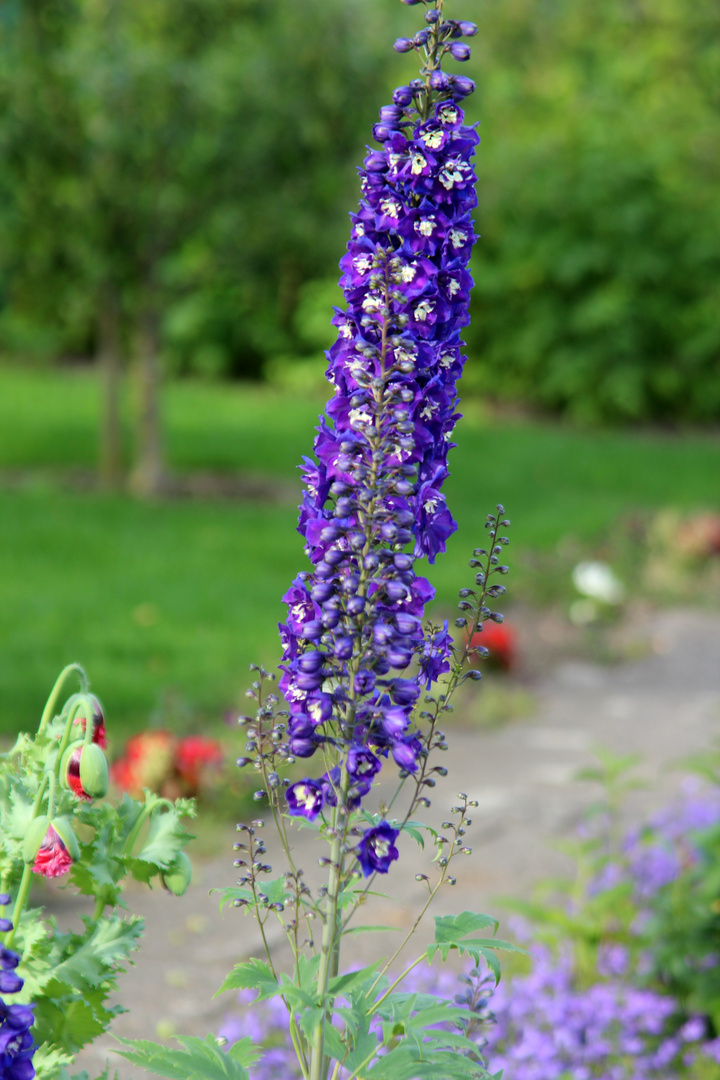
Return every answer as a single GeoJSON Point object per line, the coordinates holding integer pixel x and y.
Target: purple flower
{"type": "Point", "coordinates": [305, 799]}
{"type": "Point", "coordinates": [354, 654]}
{"type": "Point", "coordinates": [16, 1042]}
{"type": "Point", "coordinates": [377, 849]}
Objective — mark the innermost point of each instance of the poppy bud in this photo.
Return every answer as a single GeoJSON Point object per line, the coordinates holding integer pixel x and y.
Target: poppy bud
{"type": "Point", "coordinates": [34, 838]}
{"type": "Point", "coordinates": [178, 876]}
{"type": "Point", "coordinates": [63, 828]}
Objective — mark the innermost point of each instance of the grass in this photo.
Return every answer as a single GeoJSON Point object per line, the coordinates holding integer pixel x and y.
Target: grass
{"type": "Point", "coordinates": [167, 603]}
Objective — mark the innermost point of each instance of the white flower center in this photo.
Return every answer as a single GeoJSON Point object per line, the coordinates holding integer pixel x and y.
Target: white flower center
{"type": "Point", "coordinates": [391, 208]}
{"type": "Point", "coordinates": [426, 227]}
{"type": "Point", "coordinates": [433, 139]}
{"type": "Point", "coordinates": [417, 164]}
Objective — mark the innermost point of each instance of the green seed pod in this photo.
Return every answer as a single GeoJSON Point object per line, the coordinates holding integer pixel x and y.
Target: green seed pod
{"type": "Point", "coordinates": [178, 876]}
{"type": "Point", "coordinates": [63, 827]}
{"type": "Point", "coordinates": [34, 838]}
{"type": "Point", "coordinates": [94, 771]}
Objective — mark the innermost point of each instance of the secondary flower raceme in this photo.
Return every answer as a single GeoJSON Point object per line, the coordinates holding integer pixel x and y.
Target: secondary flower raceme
{"type": "Point", "coordinates": [16, 1042]}
{"type": "Point", "coordinates": [354, 622]}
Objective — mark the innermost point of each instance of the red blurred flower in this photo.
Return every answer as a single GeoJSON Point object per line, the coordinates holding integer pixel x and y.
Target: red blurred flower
{"type": "Point", "coordinates": [170, 766]}
{"type": "Point", "coordinates": [698, 537]}
{"type": "Point", "coordinates": [147, 762]}
{"type": "Point", "coordinates": [194, 755]}
{"type": "Point", "coordinates": [501, 642]}
{"type": "Point", "coordinates": [53, 858]}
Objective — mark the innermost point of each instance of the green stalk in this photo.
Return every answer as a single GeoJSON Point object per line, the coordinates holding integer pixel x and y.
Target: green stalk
{"type": "Point", "coordinates": [20, 903]}
{"type": "Point", "coordinates": [151, 804]}
{"type": "Point", "coordinates": [49, 710]}
{"type": "Point", "coordinates": [328, 948]}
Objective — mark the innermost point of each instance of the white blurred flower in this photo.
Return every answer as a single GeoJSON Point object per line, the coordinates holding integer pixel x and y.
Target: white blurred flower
{"type": "Point", "coordinates": [597, 580]}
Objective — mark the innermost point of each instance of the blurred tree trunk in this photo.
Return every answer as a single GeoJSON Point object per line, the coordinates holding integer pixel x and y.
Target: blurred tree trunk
{"type": "Point", "coordinates": [148, 475]}
{"type": "Point", "coordinates": [110, 375]}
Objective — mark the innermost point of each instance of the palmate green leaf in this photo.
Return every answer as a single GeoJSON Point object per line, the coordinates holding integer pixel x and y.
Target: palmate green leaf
{"type": "Point", "coordinates": [354, 980]}
{"type": "Point", "coordinates": [416, 828]}
{"type": "Point", "coordinates": [451, 933]}
{"type": "Point", "coordinates": [51, 1060]}
{"type": "Point", "coordinates": [251, 975]}
{"type": "Point", "coordinates": [363, 1043]}
{"type": "Point", "coordinates": [372, 929]}
{"type": "Point", "coordinates": [110, 944]}
{"type": "Point", "coordinates": [311, 1019]}
{"type": "Point", "coordinates": [166, 837]}
{"type": "Point", "coordinates": [199, 1059]}
{"type": "Point", "coordinates": [410, 1063]}
{"type": "Point", "coordinates": [69, 1022]}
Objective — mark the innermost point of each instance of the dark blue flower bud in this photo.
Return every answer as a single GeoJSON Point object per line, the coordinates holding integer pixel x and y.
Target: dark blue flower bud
{"type": "Point", "coordinates": [312, 630]}
{"type": "Point", "coordinates": [395, 590]}
{"type": "Point", "coordinates": [330, 618]}
{"type": "Point", "coordinates": [391, 114]}
{"type": "Point", "coordinates": [439, 80]}
{"type": "Point", "coordinates": [356, 605]}
{"type": "Point", "coordinates": [432, 16]}
{"type": "Point", "coordinates": [311, 660]}
{"type": "Point", "coordinates": [322, 591]}
{"type": "Point", "coordinates": [461, 86]}
{"type": "Point", "coordinates": [421, 38]}
{"type": "Point", "coordinates": [381, 132]}
{"type": "Point", "coordinates": [467, 29]}
{"type": "Point", "coordinates": [403, 96]}
{"type": "Point", "coordinates": [402, 45]}
{"type": "Point", "coordinates": [343, 648]}
{"type": "Point", "coordinates": [404, 691]}
{"type": "Point", "coordinates": [460, 51]}
{"type": "Point", "coordinates": [309, 680]}
{"type": "Point", "coordinates": [374, 162]}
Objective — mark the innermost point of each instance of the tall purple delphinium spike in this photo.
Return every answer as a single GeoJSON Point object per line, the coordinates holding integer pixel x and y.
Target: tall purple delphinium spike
{"type": "Point", "coordinates": [374, 488]}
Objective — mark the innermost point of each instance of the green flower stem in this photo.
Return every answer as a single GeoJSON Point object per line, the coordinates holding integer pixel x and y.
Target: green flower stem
{"type": "Point", "coordinates": [151, 803]}
{"type": "Point", "coordinates": [328, 949]}
{"type": "Point", "coordinates": [20, 902]}
{"type": "Point", "coordinates": [72, 715]}
{"type": "Point", "coordinates": [51, 796]}
{"type": "Point", "coordinates": [100, 905]}
{"type": "Point", "coordinates": [49, 710]}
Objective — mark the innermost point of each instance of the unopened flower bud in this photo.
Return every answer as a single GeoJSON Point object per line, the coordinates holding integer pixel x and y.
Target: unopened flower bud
{"type": "Point", "coordinates": [178, 876]}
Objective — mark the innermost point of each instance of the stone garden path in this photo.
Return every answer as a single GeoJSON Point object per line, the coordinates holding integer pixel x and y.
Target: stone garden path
{"type": "Point", "coordinates": [662, 707]}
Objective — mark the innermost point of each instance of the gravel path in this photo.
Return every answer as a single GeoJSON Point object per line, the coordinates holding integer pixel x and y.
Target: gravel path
{"type": "Point", "coordinates": [662, 708]}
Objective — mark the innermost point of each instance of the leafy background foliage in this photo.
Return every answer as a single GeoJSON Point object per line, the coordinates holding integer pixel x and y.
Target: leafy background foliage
{"type": "Point", "coordinates": [202, 154]}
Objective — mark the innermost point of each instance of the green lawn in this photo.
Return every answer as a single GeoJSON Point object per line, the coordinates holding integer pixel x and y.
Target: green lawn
{"type": "Point", "coordinates": [167, 603]}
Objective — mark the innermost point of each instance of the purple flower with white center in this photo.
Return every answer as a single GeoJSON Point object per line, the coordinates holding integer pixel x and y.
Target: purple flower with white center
{"type": "Point", "coordinates": [305, 799]}
{"type": "Point", "coordinates": [377, 849]}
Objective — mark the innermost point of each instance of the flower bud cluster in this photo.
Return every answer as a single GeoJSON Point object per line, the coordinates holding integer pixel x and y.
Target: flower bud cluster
{"type": "Point", "coordinates": [373, 502]}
